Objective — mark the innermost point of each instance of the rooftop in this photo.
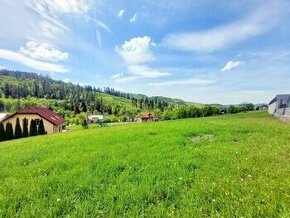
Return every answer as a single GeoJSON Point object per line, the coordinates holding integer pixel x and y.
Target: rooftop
{"type": "Point", "coordinates": [45, 113]}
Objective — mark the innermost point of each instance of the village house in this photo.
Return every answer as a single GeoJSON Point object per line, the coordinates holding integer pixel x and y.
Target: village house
{"type": "Point", "coordinates": [95, 118]}
{"type": "Point", "coordinates": [52, 121]}
{"type": "Point", "coordinates": [147, 117]}
{"type": "Point", "coordinates": [280, 107]}
{"type": "Point", "coordinates": [262, 107]}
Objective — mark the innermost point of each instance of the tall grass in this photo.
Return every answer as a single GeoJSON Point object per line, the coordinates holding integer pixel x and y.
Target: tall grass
{"type": "Point", "coordinates": [229, 166]}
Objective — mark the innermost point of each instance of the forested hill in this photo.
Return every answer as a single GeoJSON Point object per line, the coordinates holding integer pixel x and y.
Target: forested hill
{"type": "Point", "coordinates": [21, 89]}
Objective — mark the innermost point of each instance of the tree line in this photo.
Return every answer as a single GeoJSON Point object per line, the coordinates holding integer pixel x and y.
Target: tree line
{"type": "Point", "coordinates": [76, 98]}
{"type": "Point", "coordinates": [35, 128]}
{"type": "Point", "coordinates": [74, 102]}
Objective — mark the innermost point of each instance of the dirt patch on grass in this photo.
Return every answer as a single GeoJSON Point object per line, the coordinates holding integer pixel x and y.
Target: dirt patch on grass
{"type": "Point", "coordinates": [198, 138]}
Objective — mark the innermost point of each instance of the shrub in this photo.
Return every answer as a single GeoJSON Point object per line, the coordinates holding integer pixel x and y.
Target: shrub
{"type": "Point", "coordinates": [9, 131]}
{"type": "Point", "coordinates": [33, 128]}
{"type": "Point", "coordinates": [2, 132]}
{"type": "Point", "coordinates": [18, 130]}
{"type": "Point", "coordinates": [85, 124]}
{"type": "Point", "coordinates": [25, 128]}
{"type": "Point", "coordinates": [41, 129]}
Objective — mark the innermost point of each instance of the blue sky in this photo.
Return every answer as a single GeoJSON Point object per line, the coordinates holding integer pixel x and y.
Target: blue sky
{"type": "Point", "coordinates": [200, 50]}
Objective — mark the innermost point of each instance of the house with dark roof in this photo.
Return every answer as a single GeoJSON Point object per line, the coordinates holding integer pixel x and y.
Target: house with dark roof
{"type": "Point", "coordinates": [52, 121]}
{"type": "Point", "coordinates": [146, 117]}
{"type": "Point", "coordinates": [280, 107]}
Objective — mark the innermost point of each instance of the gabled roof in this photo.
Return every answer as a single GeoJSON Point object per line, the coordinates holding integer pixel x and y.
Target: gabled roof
{"type": "Point", "coordinates": [273, 100]}
{"type": "Point", "coordinates": [45, 113]}
{"type": "Point", "coordinates": [279, 96]}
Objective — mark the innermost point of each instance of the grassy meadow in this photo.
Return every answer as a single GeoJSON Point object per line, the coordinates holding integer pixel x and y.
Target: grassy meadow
{"type": "Point", "coordinates": [224, 166]}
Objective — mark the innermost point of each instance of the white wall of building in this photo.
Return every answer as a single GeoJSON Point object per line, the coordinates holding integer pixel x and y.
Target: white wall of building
{"type": "Point", "coordinates": [272, 107]}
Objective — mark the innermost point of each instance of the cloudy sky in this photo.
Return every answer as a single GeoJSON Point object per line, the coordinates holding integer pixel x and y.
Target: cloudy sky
{"type": "Point", "coordinates": [197, 50]}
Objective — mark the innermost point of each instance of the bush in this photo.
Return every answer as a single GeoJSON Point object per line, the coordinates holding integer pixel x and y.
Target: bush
{"type": "Point", "coordinates": [25, 128]}
{"type": "Point", "coordinates": [9, 131]}
{"type": "Point", "coordinates": [85, 124]}
{"type": "Point", "coordinates": [194, 111]}
{"type": "Point", "coordinates": [232, 109]}
{"type": "Point", "coordinates": [2, 132]}
{"type": "Point", "coordinates": [18, 130]}
{"type": "Point", "coordinates": [41, 129]}
{"type": "Point", "coordinates": [33, 128]}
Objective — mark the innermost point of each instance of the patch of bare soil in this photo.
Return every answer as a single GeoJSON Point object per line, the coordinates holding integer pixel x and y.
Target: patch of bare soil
{"type": "Point", "coordinates": [202, 138]}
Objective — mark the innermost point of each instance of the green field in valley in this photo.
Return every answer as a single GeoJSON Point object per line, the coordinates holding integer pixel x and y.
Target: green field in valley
{"type": "Point", "coordinates": [226, 166]}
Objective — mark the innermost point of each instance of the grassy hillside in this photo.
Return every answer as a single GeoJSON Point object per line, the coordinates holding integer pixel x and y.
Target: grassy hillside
{"type": "Point", "coordinates": [229, 166]}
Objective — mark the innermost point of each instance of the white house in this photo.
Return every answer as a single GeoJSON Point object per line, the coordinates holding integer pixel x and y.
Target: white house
{"type": "Point", "coordinates": [280, 107]}
{"type": "Point", "coordinates": [95, 118]}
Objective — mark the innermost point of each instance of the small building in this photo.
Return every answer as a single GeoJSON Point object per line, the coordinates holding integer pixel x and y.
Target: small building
{"type": "Point", "coordinates": [279, 103]}
{"type": "Point", "coordinates": [146, 117]}
{"type": "Point", "coordinates": [262, 107]}
{"type": "Point", "coordinates": [280, 107]}
{"type": "Point", "coordinates": [95, 118]}
{"type": "Point", "coordinates": [52, 121]}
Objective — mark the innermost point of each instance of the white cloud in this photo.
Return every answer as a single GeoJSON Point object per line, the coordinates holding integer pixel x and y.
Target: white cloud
{"type": "Point", "coordinates": [103, 26]}
{"type": "Point", "coordinates": [126, 79]}
{"type": "Point", "coordinates": [134, 19]}
{"type": "Point", "coordinates": [257, 23]}
{"type": "Point", "coordinates": [190, 81]}
{"type": "Point", "coordinates": [117, 76]}
{"type": "Point", "coordinates": [121, 13]}
{"type": "Point", "coordinates": [78, 7]}
{"type": "Point", "coordinates": [136, 51]}
{"type": "Point", "coordinates": [38, 65]}
{"type": "Point", "coordinates": [136, 54]}
{"type": "Point", "coordinates": [231, 65]}
{"type": "Point", "coordinates": [43, 51]}
{"type": "Point", "coordinates": [145, 71]}
{"type": "Point", "coordinates": [2, 67]}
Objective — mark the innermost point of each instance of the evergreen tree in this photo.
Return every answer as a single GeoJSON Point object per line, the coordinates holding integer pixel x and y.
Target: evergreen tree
{"type": "Point", "coordinates": [2, 132]}
{"type": "Point", "coordinates": [9, 131]}
{"type": "Point", "coordinates": [85, 124]}
{"type": "Point", "coordinates": [18, 130]}
{"type": "Point", "coordinates": [41, 129]}
{"type": "Point", "coordinates": [33, 128]}
{"type": "Point", "coordinates": [25, 128]}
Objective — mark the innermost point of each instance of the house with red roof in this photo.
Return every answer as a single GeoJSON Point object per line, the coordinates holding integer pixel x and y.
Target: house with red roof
{"type": "Point", "coordinates": [146, 117]}
{"type": "Point", "coordinates": [52, 121]}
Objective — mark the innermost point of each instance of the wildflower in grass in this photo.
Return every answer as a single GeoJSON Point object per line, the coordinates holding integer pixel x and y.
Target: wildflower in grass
{"type": "Point", "coordinates": [58, 200]}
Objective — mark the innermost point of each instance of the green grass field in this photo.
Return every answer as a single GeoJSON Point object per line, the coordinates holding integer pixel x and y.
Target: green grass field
{"type": "Point", "coordinates": [224, 166]}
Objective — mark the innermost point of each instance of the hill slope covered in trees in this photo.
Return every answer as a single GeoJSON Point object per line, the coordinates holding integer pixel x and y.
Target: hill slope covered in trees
{"type": "Point", "coordinates": [73, 101]}
{"type": "Point", "coordinates": [21, 89]}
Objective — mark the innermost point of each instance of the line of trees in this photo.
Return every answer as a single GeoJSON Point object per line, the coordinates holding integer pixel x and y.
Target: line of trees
{"type": "Point", "coordinates": [76, 98]}
{"type": "Point", "coordinates": [241, 108]}
{"type": "Point", "coordinates": [7, 132]}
